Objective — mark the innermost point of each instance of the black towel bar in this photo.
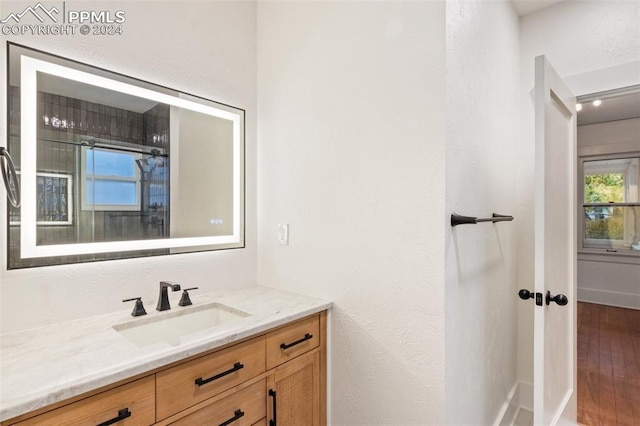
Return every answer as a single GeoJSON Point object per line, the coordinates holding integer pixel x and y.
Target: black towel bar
{"type": "Point", "coordinates": [457, 219]}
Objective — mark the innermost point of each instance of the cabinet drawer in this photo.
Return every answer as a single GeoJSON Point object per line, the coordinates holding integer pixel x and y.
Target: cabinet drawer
{"type": "Point", "coordinates": [137, 398]}
{"type": "Point", "coordinates": [243, 408]}
{"type": "Point", "coordinates": [192, 382]}
{"type": "Point", "coordinates": [290, 341]}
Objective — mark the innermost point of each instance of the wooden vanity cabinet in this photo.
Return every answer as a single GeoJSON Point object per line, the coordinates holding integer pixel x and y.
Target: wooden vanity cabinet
{"type": "Point", "coordinates": [293, 389]}
{"type": "Point", "coordinates": [274, 378]}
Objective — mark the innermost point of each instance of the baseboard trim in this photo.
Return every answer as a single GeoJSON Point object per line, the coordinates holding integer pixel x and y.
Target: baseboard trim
{"type": "Point", "coordinates": [526, 396]}
{"type": "Point", "coordinates": [611, 298]}
{"type": "Point", "coordinates": [510, 408]}
{"type": "Point", "coordinates": [520, 397]}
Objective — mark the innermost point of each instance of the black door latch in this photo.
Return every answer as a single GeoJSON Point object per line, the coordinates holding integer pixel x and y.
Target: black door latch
{"type": "Point", "coordinates": [560, 299]}
{"type": "Point", "coordinates": [526, 294]}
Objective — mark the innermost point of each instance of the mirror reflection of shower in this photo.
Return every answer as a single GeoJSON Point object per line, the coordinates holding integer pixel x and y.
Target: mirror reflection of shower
{"type": "Point", "coordinates": [154, 193]}
{"type": "Point", "coordinates": [124, 189]}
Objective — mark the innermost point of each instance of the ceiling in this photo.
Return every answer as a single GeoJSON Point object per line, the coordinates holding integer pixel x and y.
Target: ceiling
{"type": "Point", "coordinates": [96, 94]}
{"type": "Point", "coordinates": [620, 107]}
{"type": "Point", "coordinates": [522, 7]}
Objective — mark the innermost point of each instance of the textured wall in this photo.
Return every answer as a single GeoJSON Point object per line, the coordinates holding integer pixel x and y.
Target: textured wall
{"type": "Point", "coordinates": [205, 48]}
{"type": "Point", "coordinates": [481, 175]}
{"type": "Point", "coordinates": [581, 36]}
{"type": "Point", "coordinates": [351, 154]}
{"type": "Point", "coordinates": [577, 37]}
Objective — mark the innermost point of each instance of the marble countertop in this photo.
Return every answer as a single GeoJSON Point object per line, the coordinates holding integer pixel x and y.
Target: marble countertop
{"type": "Point", "coordinates": [45, 365]}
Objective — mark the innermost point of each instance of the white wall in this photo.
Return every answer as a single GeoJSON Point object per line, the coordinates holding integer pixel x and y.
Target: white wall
{"type": "Point", "coordinates": [609, 279]}
{"type": "Point", "coordinates": [609, 282]}
{"type": "Point", "coordinates": [611, 137]}
{"type": "Point", "coordinates": [351, 155]}
{"type": "Point", "coordinates": [204, 48]}
{"type": "Point", "coordinates": [577, 37]}
{"type": "Point", "coordinates": [481, 178]}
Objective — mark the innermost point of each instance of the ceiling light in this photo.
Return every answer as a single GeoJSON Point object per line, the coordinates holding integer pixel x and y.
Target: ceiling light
{"type": "Point", "coordinates": [578, 107]}
{"type": "Point", "coordinates": [597, 103]}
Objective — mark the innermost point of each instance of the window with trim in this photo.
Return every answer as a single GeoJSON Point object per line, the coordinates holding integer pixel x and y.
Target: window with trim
{"type": "Point", "coordinates": [110, 179]}
{"type": "Point", "coordinates": [611, 204]}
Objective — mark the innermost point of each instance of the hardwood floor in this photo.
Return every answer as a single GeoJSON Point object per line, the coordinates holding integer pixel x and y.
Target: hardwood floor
{"type": "Point", "coordinates": [608, 365]}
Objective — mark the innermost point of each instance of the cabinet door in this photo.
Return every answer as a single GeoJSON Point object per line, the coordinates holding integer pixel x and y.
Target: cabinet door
{"type": "Point", "coordinates": [293, 398]}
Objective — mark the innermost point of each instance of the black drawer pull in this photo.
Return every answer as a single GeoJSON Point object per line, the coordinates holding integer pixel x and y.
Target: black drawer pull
{"type": "Point", "coordinates": [237, 366]}
{"type": "Point", "coordinates": [238, 414]}
{"type": "Point", "coordinates": [122, 414]}
{"type": "Point", "coordinates": [274, 421]}
{"type": "Point", "coordinates": [297, 342]}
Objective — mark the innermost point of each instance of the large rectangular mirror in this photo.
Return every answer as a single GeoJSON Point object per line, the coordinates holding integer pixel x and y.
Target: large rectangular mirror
{"type": "Point", "coordinates": [113, 167]}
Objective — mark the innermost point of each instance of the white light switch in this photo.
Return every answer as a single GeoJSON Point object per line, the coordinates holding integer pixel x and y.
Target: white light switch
{"type": "Point", "coordinates": [283, 234]}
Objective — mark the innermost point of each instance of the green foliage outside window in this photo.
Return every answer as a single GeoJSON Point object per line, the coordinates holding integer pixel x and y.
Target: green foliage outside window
{"type": "Point", "coordinates": [604, 223]}
{"type": "Point", "coordinates": [604, 188]}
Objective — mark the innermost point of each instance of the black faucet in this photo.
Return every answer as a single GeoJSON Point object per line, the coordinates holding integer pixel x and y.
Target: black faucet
{"type": "Point", "coordinates": [163, 299]}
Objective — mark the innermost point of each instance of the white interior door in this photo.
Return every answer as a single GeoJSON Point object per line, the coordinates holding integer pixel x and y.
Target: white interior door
{"type": "Point", "coordinates": [555, 343]}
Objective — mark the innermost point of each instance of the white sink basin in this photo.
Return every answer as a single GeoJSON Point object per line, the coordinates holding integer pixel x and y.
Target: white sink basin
{"type": "Point", "coordinates": [181, 325]}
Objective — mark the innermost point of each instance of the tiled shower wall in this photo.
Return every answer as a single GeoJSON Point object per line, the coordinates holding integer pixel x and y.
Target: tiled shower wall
{"type": "Point", "coordinates": [62, 123]}
{"type": "Point", "coordinates": [156, 134]}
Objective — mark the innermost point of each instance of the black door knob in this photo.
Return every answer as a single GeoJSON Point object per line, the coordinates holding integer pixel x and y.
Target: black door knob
{"type": "Point", "coordinates": [560, 299]}
{"type": "Point", "coordinates": [525, 294]}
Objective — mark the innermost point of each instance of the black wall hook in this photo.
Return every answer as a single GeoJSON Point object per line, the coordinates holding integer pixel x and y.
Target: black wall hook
{"type": "Point", "coordinates": [457, 219]}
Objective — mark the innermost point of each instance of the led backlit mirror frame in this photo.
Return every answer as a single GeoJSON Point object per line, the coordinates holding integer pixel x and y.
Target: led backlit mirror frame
{"type": "Point", "coordinates": [29, 69]}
